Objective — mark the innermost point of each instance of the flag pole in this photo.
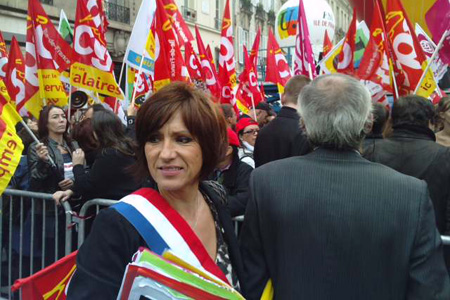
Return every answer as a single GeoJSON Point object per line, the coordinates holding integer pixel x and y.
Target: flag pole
{"type": "Point", "coordinates": [436, 51]}
{"type": "Point", "coordinates": [137, 78]}
{"type": "Point", "coordinates": [120, 80]}
{"type": "Point", "coordinates": [30, 132]}
{"type": "Point", "coordinates": [254, 109]}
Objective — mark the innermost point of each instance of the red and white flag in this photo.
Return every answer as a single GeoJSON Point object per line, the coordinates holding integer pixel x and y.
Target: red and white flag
{"type": "Point", "coordinates": [250, 80]}
{"type": "Point", "coordinates": [208, 68]}
{"type": "Point", "coordinates": [178, 23]}
{"type": "Point", "coordinates": [169, 62]}
{"type": "Point", "coordinates": [327, 44]}
{"type": "Point", "coordinates": [192, 62]}
{"type": "Point", "coordinates": [3, 57]}
{"type": "Point", "coordinates": [278, 70]}
{"type": "Point", "coordinates": [227, 62]}
{"type": "Point", "coordinates": [15, 74]}
{"type": "Point", "coordinates": [346, 57]}
{"type": "Point", "coordinates": [304, 56]}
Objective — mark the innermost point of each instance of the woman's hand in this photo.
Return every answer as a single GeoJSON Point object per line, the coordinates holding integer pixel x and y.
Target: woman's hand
{"type": "Point", "coordinates": [61, 196]}
{"type": "Point", "coordinates": [42, 151]}
{"type": "Point", "coordinates": [78, 157]}
{"type": "Point", "coordinates": [65, 184]}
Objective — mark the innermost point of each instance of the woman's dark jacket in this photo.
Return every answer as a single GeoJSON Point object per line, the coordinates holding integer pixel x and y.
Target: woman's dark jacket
{"type": "Point", "coordinates": [102, 259]}
{"type": "Point", "coordinates": [43, 176]}
{"type": "Point", "coordinates": [108, 177]}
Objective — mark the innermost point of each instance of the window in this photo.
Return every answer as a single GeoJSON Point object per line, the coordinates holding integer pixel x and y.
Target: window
{"type": "Point", "coordinates": [243, 40]}
{"type": "Point", "coordinates": [49, 2]}
{"type": "Point", "coordinates": [117, 10]}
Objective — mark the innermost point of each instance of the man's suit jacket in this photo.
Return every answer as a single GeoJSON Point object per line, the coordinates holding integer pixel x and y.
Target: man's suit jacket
{"type": "Point", "coordinates": [281, 138]}
{"type": "Point", "coordinates": [332, 225]}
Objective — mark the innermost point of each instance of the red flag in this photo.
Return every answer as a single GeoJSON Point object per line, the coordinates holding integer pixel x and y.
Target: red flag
{"type": "Point", "coordinates": [278, 70]}
{"type": "Point", "coordinates": [374, 64]}
{"type": "Point", "coordinates": [180, 27]}
{"type": "Point", "coordinates": [304, 56]}
{"type": "Point", "coordinates": [227, 62]}
{"type": "Point", "coordinates": [94, 67]}
{"type": "Point", "coordinates": [251, 80]}
{"type": "Point", "coordinates": [15, 73]}
{"type": "Point", "coordinates": [3, 57]}
{"type": "Point", "coordinates": [408, 51]}
{"type": "Point", "coordinates": [169, 63]}
{"type": "Point", "coordinates": [255, 49]}
{"type": "Point", "coordinates": [346, 57]}
{"type": "Point", "coordinates": [47, 54]}
{"type": "Point", "coordinates": [327, 44]}
{"type": "Point", "coordinates": [49, 283]}
{"type": "Point", "coordinates": [209, 70]}
{"type": "Point", "coordinates": [192, 63]}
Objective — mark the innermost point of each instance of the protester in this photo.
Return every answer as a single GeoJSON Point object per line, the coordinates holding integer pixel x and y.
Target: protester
{"type": "Point", "coordinates": [83, 133]}
{"type": "Point", "coordinates": [380, 117]}
{"type": "Point", "coordinates": [443, 115]}
{"type": "Point", "coordinates": [247, 130]}
{"type": "Point", "coordinates": [108, 178]}
{"type": "Point", "coordinates": [230, 115]}
{"type": "Point", "coordinates": [283, 137]}
{"type": "Point", "coordinates": [49, 176]}
{"type": "Point", "coordinates": [234, 175]}
{"type": "Point", "coordinates": [332, 225]}
{"type": "Point", "coordinates": [264, 113]}
{"type": "Point", "coordinates": [91, 110]}
{"type": "Point", "coordinates": [181, 137]}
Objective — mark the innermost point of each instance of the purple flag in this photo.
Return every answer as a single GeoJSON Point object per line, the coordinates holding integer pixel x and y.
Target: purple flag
{"type": "Point", "coordinates": [438, 20]}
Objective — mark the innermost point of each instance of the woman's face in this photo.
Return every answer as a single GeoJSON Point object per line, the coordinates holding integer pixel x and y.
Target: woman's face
{"type": "Point", "coordinates": [250, 133]}
{"type": "Point", "coordinates": [33, 125]}
{"type": "Point", "coordinates": [174, 158]}
{"type": "Point", "coordinates": [57, 121]}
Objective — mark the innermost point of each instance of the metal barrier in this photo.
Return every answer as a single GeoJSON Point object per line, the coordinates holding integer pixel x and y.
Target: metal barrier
{"type": "Point", "coordinates": [81, 218]}
{"type": "Point", "coordinates": [29, 222]}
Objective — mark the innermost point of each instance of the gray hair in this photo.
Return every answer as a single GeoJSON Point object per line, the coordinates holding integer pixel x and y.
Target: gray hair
{"type": "Point", "coordinates": [336, 111]}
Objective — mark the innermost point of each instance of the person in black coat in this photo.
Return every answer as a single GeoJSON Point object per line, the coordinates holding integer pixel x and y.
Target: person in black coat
{"type": "Point", "coordinates": [108, 177]}
{"type": "Point", "coordinates": [333, 225]}
{"type": "Point", "coordinates": [282, 137]}
{"type": "Point", "coordinates": [234, 175]}
{"type": "Point", "coordinates": [380, 118]}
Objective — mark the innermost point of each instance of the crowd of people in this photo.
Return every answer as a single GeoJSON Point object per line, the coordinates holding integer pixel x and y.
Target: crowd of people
{"type": "Point", "coordinates": [342, 199]}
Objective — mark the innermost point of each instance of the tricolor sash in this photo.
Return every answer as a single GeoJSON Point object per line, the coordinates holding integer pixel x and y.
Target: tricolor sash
{"type": "Point", "coordinates": [163, 228]}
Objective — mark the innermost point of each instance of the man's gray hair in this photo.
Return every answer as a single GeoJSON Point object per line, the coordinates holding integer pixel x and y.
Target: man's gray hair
{"type": "Point", "coordinates": [335, 110]}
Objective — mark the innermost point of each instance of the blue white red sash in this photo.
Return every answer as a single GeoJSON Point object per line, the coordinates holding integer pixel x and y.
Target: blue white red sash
{"type": "Point", "coordinates": [162, 227]}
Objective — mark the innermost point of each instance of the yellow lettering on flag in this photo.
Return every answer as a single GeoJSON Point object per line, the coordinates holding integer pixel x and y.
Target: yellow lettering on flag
{"type": "Point", "coordinates": [61, 286]}
{"type": "Point", "coordinates": [327, 63]}
{"type": "Point", "coordinates": [4, 93]}
{"type": "Point", "coordinates": [160, 83]}
{"type": "Point", "coordinates": [93, 79]}
{"type": "Point", "coordinates": [51, 87]}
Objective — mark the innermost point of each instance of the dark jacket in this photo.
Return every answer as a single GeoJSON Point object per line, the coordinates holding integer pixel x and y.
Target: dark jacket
{"type": "Point", "coordinates": [43, 176]}
{"type": "Point", "coordinates": [413, 151]}
{"type": "Point", "coordinates": [102, 259]}
{"type": "Point", "coordinates": [332, 225]}
{"type": "Point", "coordinates": [370, 143]}
{"type": "Point", "coordinates": [281, 138]}
{"type": "Point", "coordinates": [108, 178]}
{"type": "Point", "coordinates": [235, 180]}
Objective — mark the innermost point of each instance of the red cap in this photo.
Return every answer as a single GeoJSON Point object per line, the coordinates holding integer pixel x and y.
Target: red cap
{"type": "Point", "coordinates": [244, 122]}
{"type": "Point", "coordinates": [232, 138]}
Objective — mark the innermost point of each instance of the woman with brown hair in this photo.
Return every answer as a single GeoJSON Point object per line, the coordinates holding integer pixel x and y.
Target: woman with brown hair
{"type": "Point", "coordinates": [443, 116]}
{"type": "Point", "coordinates": [181, 137]}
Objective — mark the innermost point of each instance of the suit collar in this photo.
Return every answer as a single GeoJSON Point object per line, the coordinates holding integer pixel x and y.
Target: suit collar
{"type": "Point", "coordinates": [288, 112]}
{"type": "Point", "coordinates": [328, 153]}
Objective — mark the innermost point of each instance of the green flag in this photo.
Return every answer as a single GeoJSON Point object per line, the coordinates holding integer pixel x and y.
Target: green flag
{"type": "Point", "coordinates": [64, 28]}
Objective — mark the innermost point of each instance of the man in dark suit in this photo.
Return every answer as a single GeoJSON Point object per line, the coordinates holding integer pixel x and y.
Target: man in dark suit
{"type": "Point", "coordinates": [282, 137]}
{"type": "Point", "coordinates": [332, 225]}
{"type": "Point", "coordinates": [412, 150]}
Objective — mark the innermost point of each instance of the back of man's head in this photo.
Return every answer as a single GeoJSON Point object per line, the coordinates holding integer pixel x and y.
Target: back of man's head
{"type": "Point", "coordinates": [412, 110]}
{"type": "Point", "coordinates": [380, 117]}
{"type": "Point", "coordinates": [293, 88]}
{"type": "Point", "coordinates": [335, 110]}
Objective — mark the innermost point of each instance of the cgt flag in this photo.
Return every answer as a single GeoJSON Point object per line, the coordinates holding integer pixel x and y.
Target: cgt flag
{"type": "Point", "coordinates": [278, 70]}
{"type": "Point", "coordinates": [192, 63]}
{"type": "Point", "coordinates": [15, 76]}
{"type": "Point", "coordinates": [227, 63]}
{"type": "Point", "coordinates": [93, 69]}
{"type": "Point", "coordinates": [346, 57]}
{"type": "Point", "coordinates": [327, 44]}
{"type": "Point", "coordinates": [3, 57]}
{"type": "Point", "coordinates": [406, 47]}
{"type": "Point", "coordinates": [11, 146]}
{"type": "Point", "coordinates": [49, 283]}
{"type": "Point", "coordinates": [180, 27]}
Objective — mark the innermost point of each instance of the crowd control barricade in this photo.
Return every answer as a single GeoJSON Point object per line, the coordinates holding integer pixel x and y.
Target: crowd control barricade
{"type": "Point", "coordinates": [83, 215]}
{"type": "Point", "coordinates": [34, 233]}
{"type": "Point", "coordinates": [446, 240]}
